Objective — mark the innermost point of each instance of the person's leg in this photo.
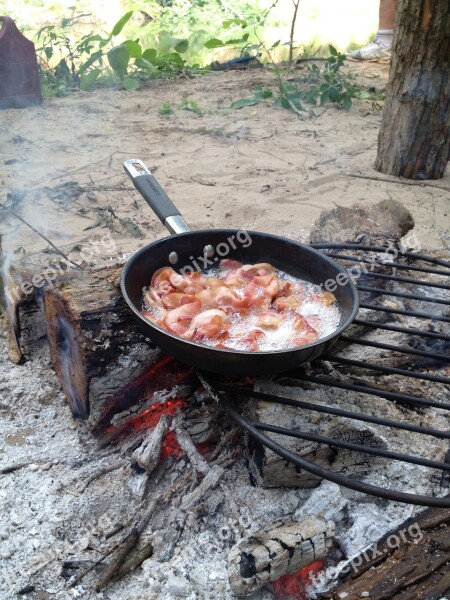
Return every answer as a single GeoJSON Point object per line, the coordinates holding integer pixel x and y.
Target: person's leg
{"type": "Point", "coordinates": [380, 48]}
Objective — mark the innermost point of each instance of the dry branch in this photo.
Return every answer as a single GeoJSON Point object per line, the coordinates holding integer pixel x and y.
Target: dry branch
{"type": "Point", "coordinates": [148, 453]}
{"type": "Point", "coordinates": [128, 544]}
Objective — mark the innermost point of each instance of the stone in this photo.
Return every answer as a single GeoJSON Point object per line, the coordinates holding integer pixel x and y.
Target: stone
{"type": "Point", "coordinates": [387, 221]}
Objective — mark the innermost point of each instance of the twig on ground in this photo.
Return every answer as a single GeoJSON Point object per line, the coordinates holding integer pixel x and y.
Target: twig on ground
{"type": "Point", "coordinates": [120, 555]}
{"type": "Point", "coordinates": [101, 472]}
{"type": "Point", "coordinates": [399, 181]}
{"type": "Point", "coordinates": [41, 235]}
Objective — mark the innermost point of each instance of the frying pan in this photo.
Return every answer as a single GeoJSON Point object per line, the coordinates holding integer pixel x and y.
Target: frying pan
{"type": "Point", "coordinates": [187, 251]}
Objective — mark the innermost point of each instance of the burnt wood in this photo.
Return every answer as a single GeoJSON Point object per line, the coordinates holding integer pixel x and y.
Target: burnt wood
{"type": "Point", "coordinates": [416, 568]}
{"type": "Point", "coordinates": [281, 548]}
{"type": "Point", "coordinates": [96, 348]}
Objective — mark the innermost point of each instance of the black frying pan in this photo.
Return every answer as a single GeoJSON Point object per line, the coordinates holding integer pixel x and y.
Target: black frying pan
{"type": "Point", "coordinates": [187, 250]}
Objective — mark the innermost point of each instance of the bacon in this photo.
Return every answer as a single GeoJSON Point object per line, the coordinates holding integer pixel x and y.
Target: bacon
{"type": "Point", "coordinates": [178, 319]}
{"type": "Point", "coordinates": [237, 277]}
{"type": "Point", "coordinates": [325, 298]}
{"type": "Point", "coordinates": [197, 307]}
{"type": "Point", "coordinates": [152, 300]}
{"type": "Point", "coordinates": [161, 281]}
{"type": "Point", "coordinates": [176, 299]}
{"type": "Point", "coordinates": [286, 303]}
{"type": "Point", "coordinates": [307, 334]}
{"type": "Point", "coordinates": [222, 297]}
{"type": "Point", "coordinates": [251, 341]}
{"type": "Point", "coordinates": [155, 318]}
{"type": "Point", "coordinates": [260, 269]}
{"type": "Point", "coordinates": [261, 290]}
{"type": "Point", "coordinates": [270, 319]}
{"type": "Point", "coordinates": [206, 324]}
{"type": "Point", "coordinates": [228, 263]}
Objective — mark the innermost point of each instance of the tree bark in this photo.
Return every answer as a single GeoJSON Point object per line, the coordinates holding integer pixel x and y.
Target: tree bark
{"type": "Point", "coordinates": [414, 138]}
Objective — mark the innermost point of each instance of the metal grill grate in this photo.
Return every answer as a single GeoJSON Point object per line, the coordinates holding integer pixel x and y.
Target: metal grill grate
{"type": "Point", "coordinates": [434, 288]}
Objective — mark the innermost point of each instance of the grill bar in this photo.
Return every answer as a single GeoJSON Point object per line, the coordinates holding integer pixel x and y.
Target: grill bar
{"type": "Point", "coordinates": [366, 288]}
{"type": "Point", "coordinates": [410, 351]}
{"type": "Point", "coordinates": [340, 412]}
{"type": "Point", "coordinates": [415, 256]}
{"type": "Point", "coordinates": [400, 267]}
{"type": "Point", "coordinates": [428, 334]}
{"type": "Point", "coordinates": [385, 370]}
{"type": "Point", "coordinates": [406, 313]}
{"type": "Point", "coordinates": [416, 264]}
{"type": "Point", "coordinates": [320, 439]}
{"type": "Point", "coordinates": [401, 398]}
{"type": "Point", "coordinates": [441, 286]}
{"type": "Point", "coordinates": [359, 486]}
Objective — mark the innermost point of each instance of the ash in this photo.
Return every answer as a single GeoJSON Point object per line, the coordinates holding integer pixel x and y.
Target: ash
{"type": "Point", "coordinates": [61, 507]}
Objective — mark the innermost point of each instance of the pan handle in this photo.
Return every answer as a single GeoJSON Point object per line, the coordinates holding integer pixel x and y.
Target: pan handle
{"type": "Point", "coordinates": [152, 192]}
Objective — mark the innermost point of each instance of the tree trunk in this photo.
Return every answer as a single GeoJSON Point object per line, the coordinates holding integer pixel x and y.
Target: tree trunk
{"type": "Point", "coordinates": [414, 139]}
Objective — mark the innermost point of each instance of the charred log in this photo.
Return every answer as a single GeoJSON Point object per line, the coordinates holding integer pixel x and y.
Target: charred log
{"type": "Point", "coordinates": [94, 342]}
{"type": "Point", "coordinates": [410, 562]}
{"type": "Point", "coordinates": [279, 549]}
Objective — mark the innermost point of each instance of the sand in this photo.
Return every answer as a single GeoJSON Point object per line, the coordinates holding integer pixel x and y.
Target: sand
{"type": "Point", "coordinates": [260, 167]}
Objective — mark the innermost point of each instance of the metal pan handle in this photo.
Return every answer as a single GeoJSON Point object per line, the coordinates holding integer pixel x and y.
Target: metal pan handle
{"type": "Point", "coordinates": [152, 192]}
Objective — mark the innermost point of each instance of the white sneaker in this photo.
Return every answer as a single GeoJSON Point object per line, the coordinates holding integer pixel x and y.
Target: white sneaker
{"type": "Point", "coordinates": [372, 52]}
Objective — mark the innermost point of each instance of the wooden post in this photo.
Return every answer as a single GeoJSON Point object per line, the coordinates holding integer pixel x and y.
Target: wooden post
{"type": "Point", "coordinates": [414, 138]}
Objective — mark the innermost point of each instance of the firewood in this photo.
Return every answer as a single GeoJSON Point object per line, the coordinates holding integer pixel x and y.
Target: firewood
{"type": "Point", "coordinates": [148, 453]}
{"type": "Point", "coordinates": [20, 304]}
{"type": "Point", "coordinates": [187, 445]}
{"type": "Point", "coordinates": [279, 549]}
{"type": "Point", "coordinates": [127, 545]}
{"type": "Point", "coordinates": [95, 343]}
{"type": "Point", "coordinates": [410, 562]}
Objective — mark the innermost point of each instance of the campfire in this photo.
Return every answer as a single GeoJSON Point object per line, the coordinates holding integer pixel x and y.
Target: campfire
{"type": "Point", "coordinates": [288, 476]}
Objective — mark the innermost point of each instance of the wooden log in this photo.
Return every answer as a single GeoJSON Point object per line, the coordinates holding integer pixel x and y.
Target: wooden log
{"type": "Point", "coordinates": [279, 549]}
{"type": "Point", "coordinates": [410, 562]}
{"type": "Point", "coordinates": [95, 344]}
{"type": "Point", "coordinates": [270, 470]}
{"type": "Point", "coordinates": [21, 284]}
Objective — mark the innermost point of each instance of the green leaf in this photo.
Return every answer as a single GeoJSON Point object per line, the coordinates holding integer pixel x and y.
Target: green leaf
{"type": "Point", "coordinates": [276, 44]}
{"type": "Point", "coordinates": [182, 46]}
{"type": "Point", "coordinates": [91, 60]}
{"type": "Point", "coordinates": [213, 43]}
{"type": "Point", "coordinates": [134, 48]}
{"type": "Point", "coordinates": [130, 83]}
{"type": "Point", "coordinates": [118, 58]}
{"type": "Point", "coordinates": [88, 80]}
{"type": "Point", "coordinates": [121, 23]}
{"type": "Point", "coordinates": [333, 50]}
{"type": "Point", "coordinates": [232, 22]}
{"type": "Point", "coordinates": [48, 51]}
{"type": "Point", "coordinates": [347, 103]}
{"type": "Point", "coordinates": [150, 55]}
{"type": "Point", "coordinates": [244, 102]}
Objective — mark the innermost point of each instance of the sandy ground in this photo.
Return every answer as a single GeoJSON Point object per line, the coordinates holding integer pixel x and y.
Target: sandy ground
{"type": "Point", "coordinates": [258, 168]}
